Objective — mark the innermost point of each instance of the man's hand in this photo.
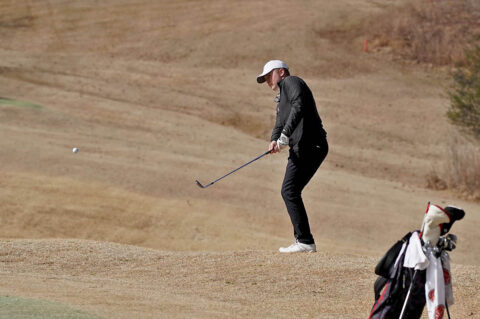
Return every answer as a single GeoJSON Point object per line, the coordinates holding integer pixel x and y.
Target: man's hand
{"type": "Point", "coordinates": [282, 141]}
{"type": "Point", "coordinates": [273, 148]}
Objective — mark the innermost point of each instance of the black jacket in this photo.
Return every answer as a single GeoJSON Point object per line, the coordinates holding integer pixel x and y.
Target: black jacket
{"type": "Point", "coordinates": [297, 116]}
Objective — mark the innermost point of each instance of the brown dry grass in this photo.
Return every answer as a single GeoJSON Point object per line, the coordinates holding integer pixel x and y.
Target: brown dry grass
{"type": "Point", "coordinates": [120, 281]}
{"type": "Point", "coordinates": [432, 32]}
{"type": "Point", "coordinates": [461, 172]}
{"type": "Point", "coordinates": [156, 94]}
{"type": "Point", "coordinates": [464, 169]}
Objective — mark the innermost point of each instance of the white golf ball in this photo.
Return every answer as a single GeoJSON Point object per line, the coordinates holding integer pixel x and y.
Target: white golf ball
{"type": "Point", "coordinates": [75, 150]}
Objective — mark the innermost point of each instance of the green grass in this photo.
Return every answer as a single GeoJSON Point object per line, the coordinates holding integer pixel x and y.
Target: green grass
{"type": "Point", "coordinates": [23, 308]}
{"type": "Point", "coordinates": [7, 101]}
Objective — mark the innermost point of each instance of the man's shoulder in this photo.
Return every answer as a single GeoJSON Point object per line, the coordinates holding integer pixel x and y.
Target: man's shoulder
{"type": "Point", "coordinates": [294, 81]}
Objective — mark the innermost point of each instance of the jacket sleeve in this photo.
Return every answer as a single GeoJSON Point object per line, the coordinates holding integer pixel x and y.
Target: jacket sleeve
{"type": "Point", "coordinates": [294, 93]}
{"type": "Point", "coordinates": [277, 129]}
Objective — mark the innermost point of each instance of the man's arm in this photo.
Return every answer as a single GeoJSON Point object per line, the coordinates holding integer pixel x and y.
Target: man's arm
{"type": "Point", "coordinates": [277, 129]}
{"type": "Point", "coordinates": [293, 90]}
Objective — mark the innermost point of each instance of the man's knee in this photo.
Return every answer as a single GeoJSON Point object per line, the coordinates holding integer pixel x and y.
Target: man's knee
{"type": "Point", "coordinates": [289, 194]}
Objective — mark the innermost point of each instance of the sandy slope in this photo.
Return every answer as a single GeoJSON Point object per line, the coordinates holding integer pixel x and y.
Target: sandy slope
{"type": "Point", "coordinates": [156, 94]}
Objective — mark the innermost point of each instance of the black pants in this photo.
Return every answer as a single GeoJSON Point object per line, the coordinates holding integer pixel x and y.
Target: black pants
{"type": "Point", "coordinates": [300, 169]}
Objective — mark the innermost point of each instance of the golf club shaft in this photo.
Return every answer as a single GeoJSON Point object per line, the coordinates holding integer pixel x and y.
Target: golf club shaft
{"type": "Point", "coordinates": [446, 302]}
{"type": "Point", "coordinates": [256, 158]}
{"type": "Point", "coordinates": [408, 294]}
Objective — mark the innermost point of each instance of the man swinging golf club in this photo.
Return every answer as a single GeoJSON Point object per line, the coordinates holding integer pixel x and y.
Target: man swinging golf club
{"type": "Point", "coordinates": [298, 126]}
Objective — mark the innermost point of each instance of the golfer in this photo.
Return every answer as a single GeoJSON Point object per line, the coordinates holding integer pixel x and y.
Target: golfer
{"type": "Point", "coordinates": [298, 126]}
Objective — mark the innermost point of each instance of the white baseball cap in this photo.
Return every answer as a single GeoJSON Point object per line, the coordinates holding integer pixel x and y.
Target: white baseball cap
{"type": "Point", "coordinates": [269, 66]}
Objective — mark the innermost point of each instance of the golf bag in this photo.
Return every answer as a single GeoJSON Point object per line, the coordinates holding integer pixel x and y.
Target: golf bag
{"type": "Point", "coordinates": [393, 282]}
{"type": "Point", "coordinates": [400, 289]}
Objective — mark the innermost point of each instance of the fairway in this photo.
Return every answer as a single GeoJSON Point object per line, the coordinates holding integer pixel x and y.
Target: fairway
{"type": "Point", "coordinates": [6, 101]}
{"type": "Point", "coordinates": [23, 308]}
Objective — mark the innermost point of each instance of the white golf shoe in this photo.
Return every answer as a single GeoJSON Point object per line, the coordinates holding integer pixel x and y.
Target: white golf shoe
{"type": "Point", "coordinates": [298, 248]}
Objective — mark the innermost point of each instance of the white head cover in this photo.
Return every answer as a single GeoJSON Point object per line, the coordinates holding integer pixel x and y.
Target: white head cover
{"type": "Point", "coordinates": [269, 66]}
{"type": "Point", "coordinates": [431, 224]}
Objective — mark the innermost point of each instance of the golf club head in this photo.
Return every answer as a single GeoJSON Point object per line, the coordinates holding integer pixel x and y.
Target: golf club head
{"type": "Point", "coordinates": [454, 214]}
{"type": "Point", "coordinates": [452, 238]}
{"type": "Point", "coordinates": [199, 184]}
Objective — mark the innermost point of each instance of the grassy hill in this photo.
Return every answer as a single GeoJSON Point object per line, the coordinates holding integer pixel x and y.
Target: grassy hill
{"type": "Point", "coordinates": [156, 94]}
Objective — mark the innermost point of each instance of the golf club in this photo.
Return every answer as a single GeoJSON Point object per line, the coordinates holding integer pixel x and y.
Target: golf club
{"type": "Point", "coordinates": [256, 158]}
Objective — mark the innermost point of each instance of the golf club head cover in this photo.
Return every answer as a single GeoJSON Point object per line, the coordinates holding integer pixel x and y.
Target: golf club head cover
{"type": "Point", "coordinates": [431, 229]}
{"type": "Point", "coordinates": [454, 213]}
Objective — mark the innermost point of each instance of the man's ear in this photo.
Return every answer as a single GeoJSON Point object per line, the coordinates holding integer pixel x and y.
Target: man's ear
{"type": "Point", "coordinates": [282, 73]}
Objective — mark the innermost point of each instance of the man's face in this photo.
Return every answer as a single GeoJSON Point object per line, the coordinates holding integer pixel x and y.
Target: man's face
{"type": "Point", "coordinates": [272, 78]}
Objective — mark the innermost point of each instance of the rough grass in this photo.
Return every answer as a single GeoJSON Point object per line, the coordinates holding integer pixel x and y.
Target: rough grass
{"type": "Point", "coordinates": [425, 32]}
{"type": "Point", "coordinates": [434, 33]}
{"type": "Point", "coordinates": [132, 282]}
{"type": "Point", "coordinates": [461, 172]}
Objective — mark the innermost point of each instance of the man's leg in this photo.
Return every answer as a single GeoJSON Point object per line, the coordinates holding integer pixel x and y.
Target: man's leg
{"type": "Point", "coordinates": [298, 173]}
